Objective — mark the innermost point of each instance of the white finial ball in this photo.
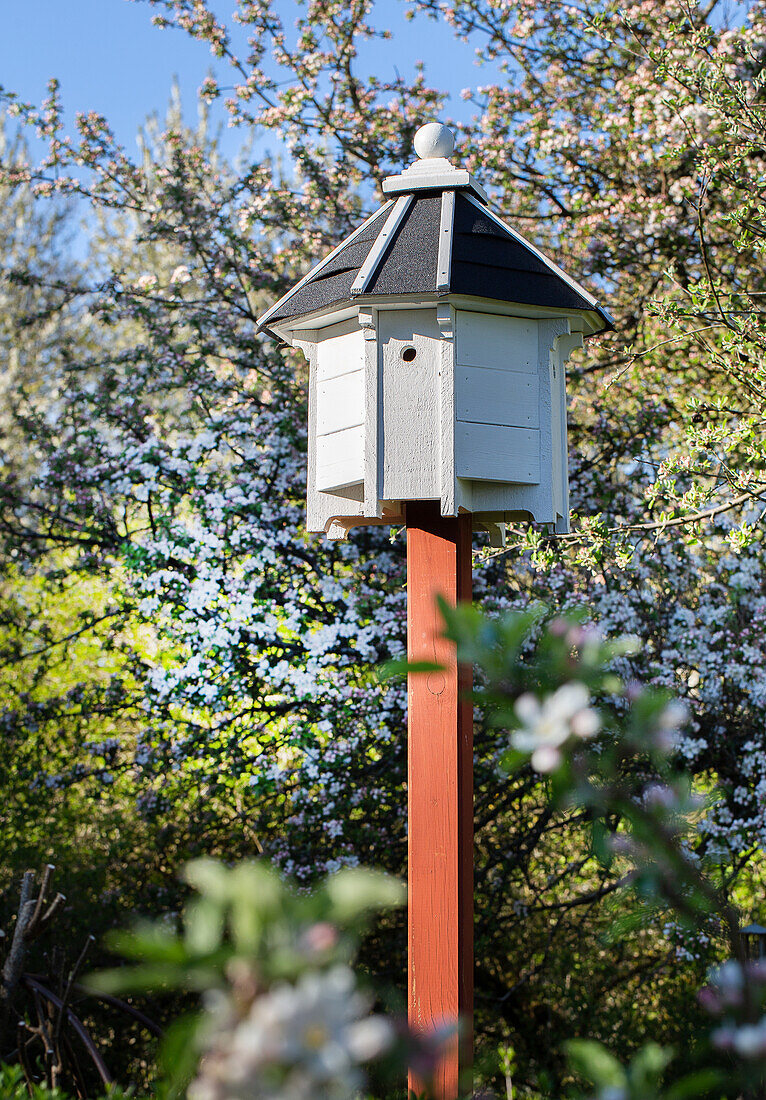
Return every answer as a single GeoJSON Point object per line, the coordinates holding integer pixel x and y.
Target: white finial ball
{"type": "Point", "coordinates": [434, 140]}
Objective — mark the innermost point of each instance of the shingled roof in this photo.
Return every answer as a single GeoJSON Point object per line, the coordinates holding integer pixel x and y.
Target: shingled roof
{"type": "Point", "coordinates": [438, 240]}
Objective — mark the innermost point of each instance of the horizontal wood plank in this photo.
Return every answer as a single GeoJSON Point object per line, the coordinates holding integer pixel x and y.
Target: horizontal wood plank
{"type": "Point", "coordinates": [497, 397]}
{"type": "Point", "coordinates": [340, 459]}
{"type": "Point", "coordinates": [340, 355]}
{"type": "Point", "coordinates": [340, 402]}
{"type": "Point", "coordinates": [505, 343]}
{"type": "Point", "coordinates": [490, 452]}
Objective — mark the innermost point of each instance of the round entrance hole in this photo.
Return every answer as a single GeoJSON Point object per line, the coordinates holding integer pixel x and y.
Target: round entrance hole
{"type": "Point", "coordinates": [408, 354]}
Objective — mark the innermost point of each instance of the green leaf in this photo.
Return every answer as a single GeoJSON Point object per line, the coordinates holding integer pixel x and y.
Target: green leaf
{"type": "Point", "coordinates": [593, 1061]}
{"type": "Point", "coordinates": [204, 925]}
{"type": "Point", "coordinates": [354, 891]}
{"type": "Point", "coordinates": [512, 760]}
{"type": "Point", "coordinates": [256, 894]}
{"type": "Point", "coordinates": [695, 1085]}
{"type": "Point", "coordinates": [179, 1055]}
{"type": "Point", "coordinates": [137, 979]}
{"type": "Point", "coordinates": [208, 877]}
{"type": "Point", "coordinates": [400, 666]}
{"type": "Point", "coordinates": [626, 646]}
{"type": "Point", "coordinates": [601, 837]}
{"type": "Point", "coordinates": [148, 942]}
{"type": "Point", "coordinates": [647, 1068]}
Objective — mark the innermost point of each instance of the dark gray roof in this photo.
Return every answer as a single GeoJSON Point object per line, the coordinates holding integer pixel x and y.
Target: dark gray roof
{"type": "Point", "coordinates": [487, 259]}
{"type": "Point", "coordinates": [409, 265]}
{"type": "Point", "coordinates": [333, 282]}
{"type": "Point", "coordinates": [489, 262]}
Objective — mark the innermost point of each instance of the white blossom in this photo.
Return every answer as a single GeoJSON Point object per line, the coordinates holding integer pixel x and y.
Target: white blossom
{"type": "Point", "coordinates": [180, 275]}
{"type": "Point", "coordinates": [549, 724]}
{"type": "Point", "coordinates": [298, 1042]}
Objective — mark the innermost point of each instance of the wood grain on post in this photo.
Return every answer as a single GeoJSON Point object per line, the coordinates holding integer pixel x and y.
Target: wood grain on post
{"type": "Point", "coordinates": [440, 791]}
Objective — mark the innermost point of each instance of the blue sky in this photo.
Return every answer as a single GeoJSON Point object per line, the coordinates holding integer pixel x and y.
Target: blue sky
{"type": "Point", "coordinates": [109, 57]}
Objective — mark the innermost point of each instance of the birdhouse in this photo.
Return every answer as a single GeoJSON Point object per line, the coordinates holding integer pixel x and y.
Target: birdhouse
{"type": "Point", "coordinates": [754, 941]}
{"type": "Point", "coordinates": [437, 339]}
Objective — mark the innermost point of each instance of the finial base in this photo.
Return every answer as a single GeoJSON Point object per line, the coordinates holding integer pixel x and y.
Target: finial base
{"type": "Point", "coordinates": [433, 174]}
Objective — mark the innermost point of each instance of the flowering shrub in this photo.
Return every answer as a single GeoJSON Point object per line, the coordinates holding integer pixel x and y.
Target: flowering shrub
{"type": "Point", "coordinates": [284, 1014]}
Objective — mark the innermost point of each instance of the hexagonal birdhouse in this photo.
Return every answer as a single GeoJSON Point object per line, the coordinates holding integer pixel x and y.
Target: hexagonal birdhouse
{"type": "Point", "coordinates": [437, 338]}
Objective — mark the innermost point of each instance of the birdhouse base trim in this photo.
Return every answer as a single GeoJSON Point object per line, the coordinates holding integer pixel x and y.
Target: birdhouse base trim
{"type": "Point", "coordinates": [337, 529]}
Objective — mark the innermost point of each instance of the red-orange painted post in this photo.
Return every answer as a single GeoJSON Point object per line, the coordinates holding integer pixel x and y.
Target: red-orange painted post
{"type": "Point", "coordinates": [440, 790]}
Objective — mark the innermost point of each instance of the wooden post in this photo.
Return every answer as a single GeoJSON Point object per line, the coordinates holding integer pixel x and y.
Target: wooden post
{"type": "Point", "coordinates": [440, 791]}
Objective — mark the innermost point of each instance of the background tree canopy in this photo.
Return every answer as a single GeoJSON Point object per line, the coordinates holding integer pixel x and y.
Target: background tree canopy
{"type": "Point", "coordinates": [185, 671]}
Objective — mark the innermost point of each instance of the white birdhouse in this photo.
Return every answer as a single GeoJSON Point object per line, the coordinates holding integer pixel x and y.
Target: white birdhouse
{"type": "Point", "coordinates": [437, 339]}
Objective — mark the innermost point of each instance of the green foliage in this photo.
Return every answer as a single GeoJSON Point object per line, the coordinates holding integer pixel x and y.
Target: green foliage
{"type": "Point", "coordinates": [14, 1086]}
{"type": "Point", "coordinates": [540, 677]}
{"type": "Point", "coordinates": [247, 934]}
{"type": "Point", "coordinates": [642, 1078]}
{"type": "Point", "coordinates": [249, 937]}
{"type": "Point", "coordinates": [247, 912]}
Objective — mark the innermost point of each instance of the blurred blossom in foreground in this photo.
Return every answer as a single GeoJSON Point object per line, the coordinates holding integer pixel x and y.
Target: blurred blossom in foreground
{"type": "Point", "coordinates": [550, 724]}
{"type": "Point", "coordinates": [735, 991]}
{"type": "Point", "coordinates": [306, 1041]}
{"type": "Point", "coordinates": [748, 1040]}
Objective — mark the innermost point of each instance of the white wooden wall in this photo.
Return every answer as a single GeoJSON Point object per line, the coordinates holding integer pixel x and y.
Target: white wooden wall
{"type": "Point", "coordinates": [340, 409]}
{"type": "Point", "coordinates": [409, 451]}
{"type": "Point", "coordinates": [323, 507]}
{"type": "Point", "coordinates": [497, 397]}
{"type": "Point", "coordinates": [542, 497]}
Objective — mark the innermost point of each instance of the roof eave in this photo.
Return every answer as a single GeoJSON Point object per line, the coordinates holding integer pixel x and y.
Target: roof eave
{"type": "Point", "coordinates": [609, 322]}
{"type": "Point", "coordinates": [591, 321]}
